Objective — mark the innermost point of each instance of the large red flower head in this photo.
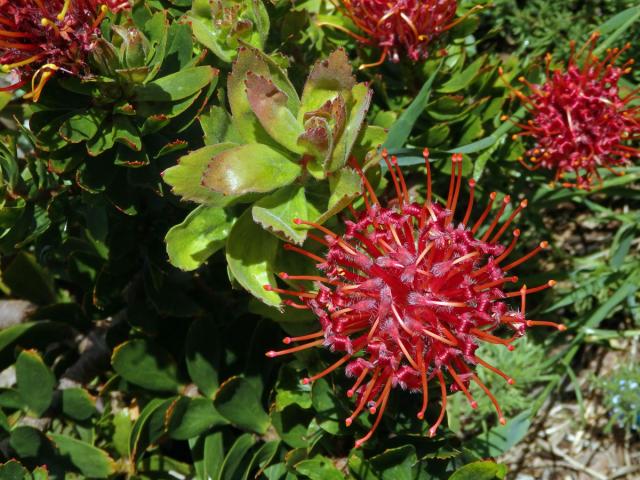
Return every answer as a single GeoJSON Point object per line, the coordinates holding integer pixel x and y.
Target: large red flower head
{"type": "Point", "coordinates": [408, 293]}
{"type": "Point", "coordinates": [403, 27]}
{"type": "Point", "coordinates": [40, 37]}
{"type": "Point", "coordinates": [579, 121]}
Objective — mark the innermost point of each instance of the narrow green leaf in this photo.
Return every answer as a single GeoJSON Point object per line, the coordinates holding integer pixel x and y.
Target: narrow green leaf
{"type": "Point", "coordinates": [237, 459]}
{"type": "Point", "coordinates": [615, 27]}
{"type": "Point", "coordinates": [401, 129]}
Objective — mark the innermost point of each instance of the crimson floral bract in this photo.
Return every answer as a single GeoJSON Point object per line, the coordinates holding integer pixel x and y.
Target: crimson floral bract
{"type": "Point", "coordinates": [402, 27]}
{"type": "Point", "coordinates": [408, 294]}
{"type": "Point", "coordinates": [579, 121]}
{"type": "Point", "coordinates": [40, 37]}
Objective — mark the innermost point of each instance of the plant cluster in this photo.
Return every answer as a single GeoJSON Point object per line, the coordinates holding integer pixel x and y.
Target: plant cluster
{"type": "Point", "coordinates": [183, 180]}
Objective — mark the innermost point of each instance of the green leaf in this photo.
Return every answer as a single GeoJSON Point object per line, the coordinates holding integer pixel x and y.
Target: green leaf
{"type": "Point", "coordinates": [289, 390]}
{"type": "Point", "coordinates": [213, 455]}
{"type": "Point", "coordinates": [200, 235]}
{"type": "Point", "coordinates": [328, 79]}
{"type": "Point", "coordinates": [202, 355]}
{"type": "Point", "coordinates": [78, 404]}
{"type": "Point", "coordinates": [12, 470]}
{"type": "Point", "coordinates": [185, 178]}
{"type": "Point", "coordinates": [238, 401]}
{"type": "Point", "coordinates": [28, 280]}
{"type": "Point", "coordinates": [463, 79]}
{"type": "Point", "coordinates": [206, 33]}
{"type": "Point", "coordinates": [344, 187]}
{"type": "Point", "coordinates": [395, 463]}
{"type": "Point", "coordinates": [401, 129]}
{"type": "Point", "coordinates": [615, 27]}
{"type": "Point", "coordinates": [319, 468]}
{"type": "Point", "coordinates": [189, 417]}
{"type": "Point", "coordinates": [82, 126]}
{"type": "Point", "coordinates": [492, 139]}
{"type": "Point", "coordinates": [40, 473]}
{"type": "Point", "coordinates": [251, 252]}
{"type": "Point", "coordinates": [149, 426]}
{"type": "Point", "coordinates": [218, 128]}
{"type": "Point", "coordinates": [263, 457]}
{"type": "Point", "coordinates": [35, 382]}
{"type": "Point", "coordinates": [483, 470]}
{"type": "Point", "coordinates": [89, 460]}
{"type": "Point", "coordinates": [277, 211]}
{"type": "Point", "coordinates": [502, 438]}
{"type": "Point", "coordinates": [361, 100]}
{"type": "Point", "coordinates": [269, 104]}
{"type": "Point", "coordinates": [177, 86]}
{"type": "Point", "coordinates": [244, 120]}
{"type": "Point", "coordinates": [292, 425]}
{"type": "Point", "coordinates": [249, 168]}
{"type": "Point", "coordinates": [237, 459]}
{"type": "Point", "coordinates": [28, 442]}
{"type": "Point", "coordinates": [145, 364]}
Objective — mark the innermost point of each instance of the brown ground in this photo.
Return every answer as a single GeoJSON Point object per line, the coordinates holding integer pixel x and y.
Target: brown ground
{"type": "Point", "coordinates": [567, 444]}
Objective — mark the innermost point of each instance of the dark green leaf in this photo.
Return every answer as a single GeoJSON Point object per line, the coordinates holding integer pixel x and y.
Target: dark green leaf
{"type": "Point", "coordinates": [35, 382]}
{"type": "Point", "coordinates": [146, 364]}
{"type": "Point", "coordinates": [238, 401]}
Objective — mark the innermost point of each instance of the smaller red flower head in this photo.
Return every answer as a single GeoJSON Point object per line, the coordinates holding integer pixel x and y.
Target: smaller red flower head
{"type": "Point", "coordinates": [408, 294]}
{"type": "Point", "coordinates": [40, 37]}
{"type": "Point", "coordinates": [579, 121]}
{"type": "Point", "coordinates": [400, 27]}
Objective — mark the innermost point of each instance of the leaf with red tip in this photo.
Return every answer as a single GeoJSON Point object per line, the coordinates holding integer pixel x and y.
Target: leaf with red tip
{"type": "Point", "coordinates": [361, 100]}
{"type": "Point", "coordinates": [328, 78]}
{"type": "Point", "coordinates": [269, 104]}
{"type": "Point", "coordinates": [245, 121]}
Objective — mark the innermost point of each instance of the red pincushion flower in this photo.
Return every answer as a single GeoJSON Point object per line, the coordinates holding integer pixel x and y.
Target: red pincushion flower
{"type": "Point", "coordinates": [579, 120]}
{"type": "Point", "coordinates": [40, 37]}
{"type": "Point", "coordinates": [408, 294]}
{"type": "Point", "coordinates": [403, 26]}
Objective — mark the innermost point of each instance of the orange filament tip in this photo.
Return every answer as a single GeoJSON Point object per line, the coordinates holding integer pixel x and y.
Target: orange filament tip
{"type": "Point", "coordinates": [348, 422]}
{"type": "Point", "coordinates": [502, 421]}
{"type": "Point", "coordinates": [474, 404]}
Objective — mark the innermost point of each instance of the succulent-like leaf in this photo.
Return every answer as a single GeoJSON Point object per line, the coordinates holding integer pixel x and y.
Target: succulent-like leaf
{"type": "Point", "coordinates": [200, 235]}
{"type": "Point", "coordinates": [277, 211]}
{"type": "Point", "coordinates": [251, 252]}
{"type": "Point", "coordinates": [269, 104]}
{"type": "Point", "coordinates": [249, 168]}
{"type": "Point", "coordinates": [328, 78]}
